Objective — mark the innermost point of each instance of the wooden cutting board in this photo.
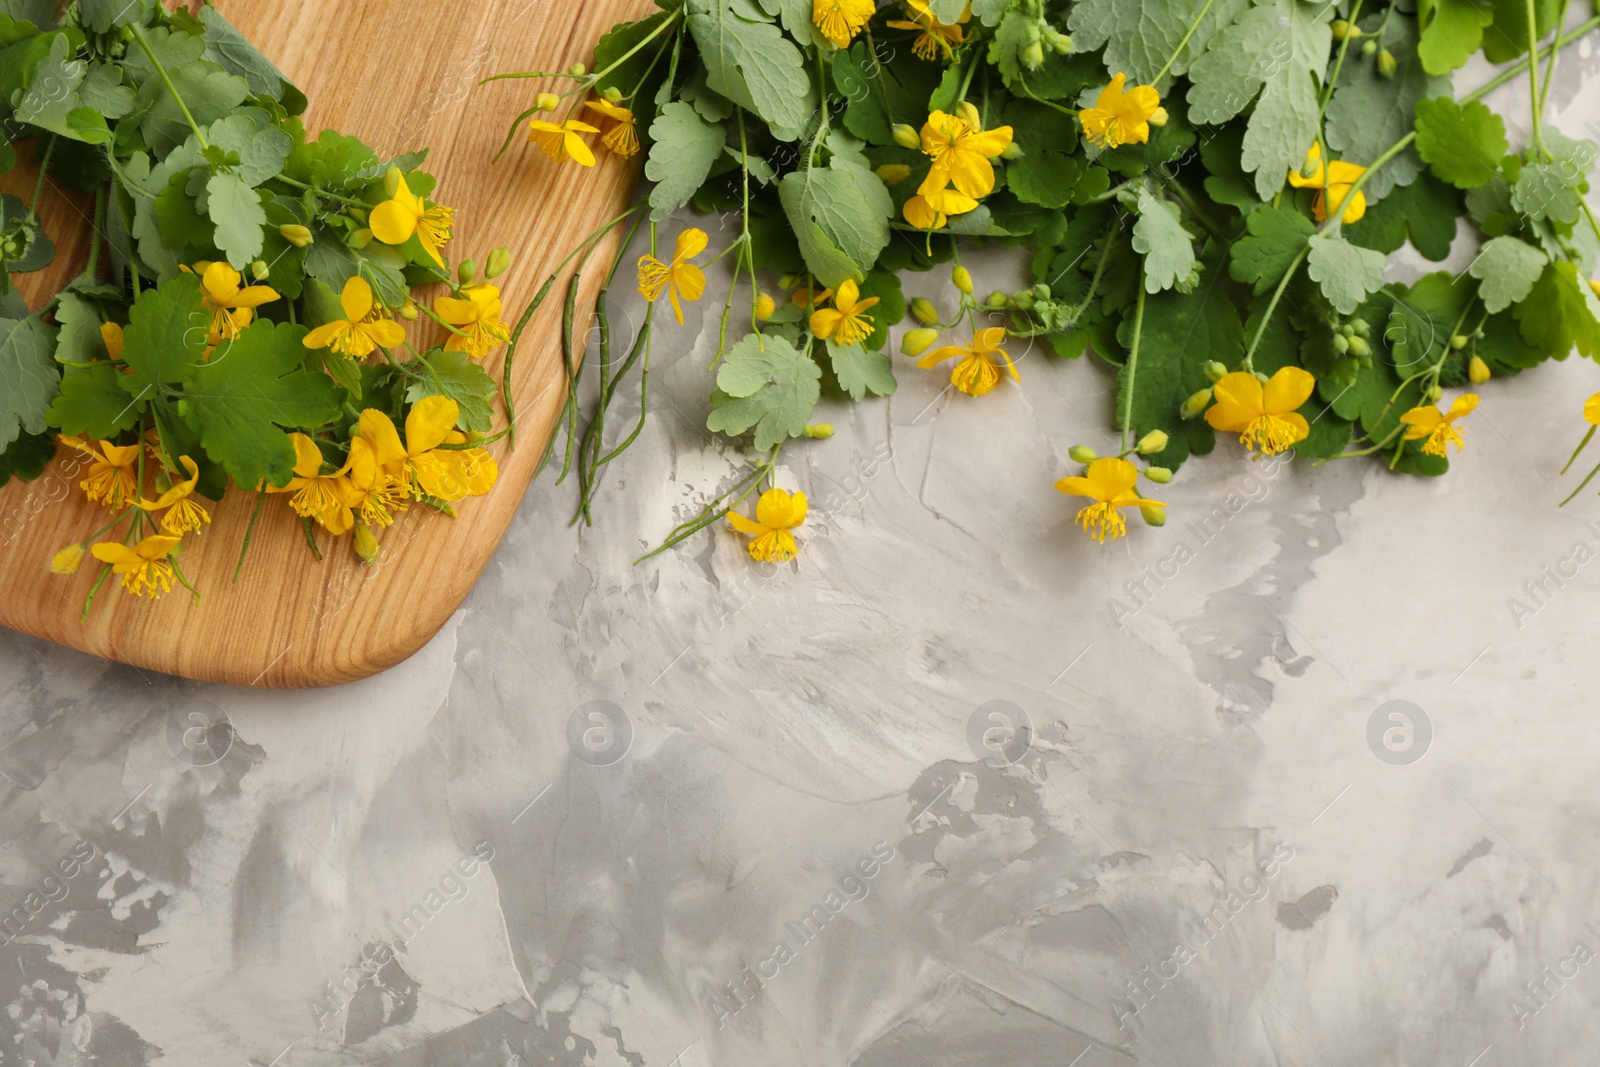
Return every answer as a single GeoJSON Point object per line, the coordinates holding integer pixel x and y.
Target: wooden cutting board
{"type": "Point", "coordinates": [399, 74]}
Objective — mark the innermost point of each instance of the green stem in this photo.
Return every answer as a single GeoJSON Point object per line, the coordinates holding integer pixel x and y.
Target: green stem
{"type": "Point", "coordinates": [1338, 66]}
{"type": "Point", "coordinates": [1272, 305]}
{"type": "Point", "coordinates": [1578, 451]}
{"type": "Point", "coordinates": [166, 79]}
{"type": "Point", "coordinates": [1178, 51]}
{"type": "Point", "coordinates": [325, 194]}
{"type": "Point", "coordinates": [1581, 484]}
{"type": "Point", "coordinates": [1550, 67]}
{"type": "Point", "coordinates": [1535, 101]}
{"type": "Point", "coordinates": [44, 167]}
{"type": "Point", "coordinates": [1133, 369]}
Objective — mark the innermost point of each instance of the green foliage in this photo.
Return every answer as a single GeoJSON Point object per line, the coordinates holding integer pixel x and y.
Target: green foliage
{"type": "Point", "coordinates": [860, 370]}
{"type": "Point", "coordinates": [749, 61]}
{"type": "Point", "coordinates": [840, 216]}
{"type": "Point", "coordinates": [1561, 313]}
{"type": "Point", "coordinates": [683, 147]}
{"type": "Point", "coordinates": [1347, 272]}
{"type": "Point", "coordinates": [1166, 246]}
{"type": "Point", "coordinates": [1371, 111]}
{"type": "Point", "coordinates": [1463, 145]}
{"type": "Point", "coordinates": [767, 384]}
{"type": "Point", "coordinates": [1451, 31]}
{"type": "Point", "coordinates": [28, 376]}
{"type": "Point", "coordinates": [1507, 268]}
{"type": "Point", "coordinates": [457, 376]}
{"type": "Point", "coordinates": [1275, 240]}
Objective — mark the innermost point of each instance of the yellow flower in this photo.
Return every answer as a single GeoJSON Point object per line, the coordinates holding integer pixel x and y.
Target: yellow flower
{"type": "Point", "coordinates": [561, 140]}
{"type": "Point", "coordinates": [845, 322]}
{"type": "Point", "coordinates": [1119, 117]}
{"type": "Point", "coordinates": [1265, 415]}
{"type": "Point", "coordinates": [378, 492]}
{"type": "Point", "coordinates": [1438, 427]}
{"type": "Point", "coordinates": [680, 278]}
{"type": "Point", "coordinates": [112, 479]}
{"type": "Point", "coordinates": [979, 369]}
{"type": "Point", "coordinates": [1109, 482]}
{"type": "Point", "coordinates": [1333, 185]}
{"type": "Point", "coordinates": [622, 138]}
{"type": "Point", "coordinates": [777, 512]}
{"type": "Point", "coordinates": [144, 567]}
{"type": "Point", "coordinates": [403, 214]}
{"type": "Point", "coordinates": [111, 334]}
{"type": "Point", "coordinates": [232, 307]}
{"type": "Point", "coordinates": [840, 20]}
{"type": "Point", "coordinates": [932, 211]}
{"type": "Point", "coordinates": [183, 514]}
{"type": "Point", "coordinates": [961, 151]}
{"type": "Point", "coordinates": [478, 319]}
{"type": "Point", "coordinates": [325, 498]}
{"type": "Point", "coordinates": [1591, 410]}
{"type": "Point", "coordinates": [66, 561]}
{"type": "Point", "coordinates": [365, 326]}
{"type": "Point", "coordinates": [937, 38]}
{"type": "Point", "coordinates": [419, 464]}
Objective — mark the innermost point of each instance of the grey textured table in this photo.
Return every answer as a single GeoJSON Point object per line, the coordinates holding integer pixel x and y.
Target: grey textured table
{"type": "Point", "coordinates": [700, 812]}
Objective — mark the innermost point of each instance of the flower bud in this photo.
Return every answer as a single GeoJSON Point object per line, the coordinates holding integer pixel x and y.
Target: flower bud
{"type": "Point", "coordinates": [1082, 454]}
{"type": "Point", "coordinates": [611, 94]}
{"type": "Point", "coordinates": [499, 263]}
{"type": "Point", "coordinates": [1458, 342]}
{"type": "Point", "coordinates": [819, 430]}
{"type": "Point", "coordinates": [356, 213]}
{"type": "Point", "coordinates": [1262, 378]}
{"type": "Point", "coordinates": [1158, 117]}
{"type": "Point", "coordinates": [295, 234]}
{"type": "Point", "coordinates": [547, 101]}
{"type": "Point", "coordinates": [1341, 344]}
{"type": "Point", "coordinates": [1153, 514]}
{"type": "Point", "coordinates": [893, 173]}
{"type": "Point", "coordinates": [467, 271]}
{"type": "Point", "coordinates": [408, 310]}
{"type": "Point", "coordinates": [1368, 48]}
{"type": "Point", "coordinates": [1023, 298]}
{"type": "Point", "coordinates": [905, 136]}
{"type": "Point", "coordinates": [1594, 287]}
{"type": "Point", "coordinates": [1196, 404]}
{"type": "Point", "coordinates": [789, 281]}
{"type": "Point", "coordinates": [1215, 371]}
{"type": "Point", "coordinates": [260, 271]}
{"type": "Point", "coordinates": [1159, 475]}
{"type": "Point", "coordinates": [997, 300]}
{"type": "Point", "coordinates": [360, 239]}
{"type": "Point", "coordinates": [1151, 443]}
{"type": "Point", "coordinates": [1434, 392]}
{"type": "Point", "coordinates": [577, 70]}
{"type": "Point", "coordinates": [1386, 63]}
{"type": "Point", "coordinates": [1340, 28]}
{"type": "Point", "coordinates": [391, 181]}
{"type": "Point", "coordinates": [1478, 370]}
{"type": "Point", "coordinates": [962, 279]}
{"type": "Point", "coordinates": [967, 113]}
{"type": "Point", "coordinates": [916, 342]}
{"type": "Point", "coordinates": [1012, 151]}
{"type": "Point", "coordinates": [66, 561]}
{"type": "Point", "coordinates": [365, 543]}
{"type": "Point", "coordinates": [1033, 55]}
{"type": "Point", "coordinates": [1359, 347]}
{"type": "Point", "coordinates": [766, 307]}
{"type": "Point", "coordinates": [923, 311]}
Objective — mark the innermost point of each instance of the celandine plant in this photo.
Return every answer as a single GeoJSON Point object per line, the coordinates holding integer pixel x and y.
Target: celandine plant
{"type": "Point", "coordinates": [243, 303]}
{"type": "Point", "coordinates": [1209, 191]}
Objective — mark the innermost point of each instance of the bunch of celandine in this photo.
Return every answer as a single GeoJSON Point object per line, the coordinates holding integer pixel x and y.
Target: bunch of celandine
{"type": "Point", "coordinates": [1219, 235]}
{"type": "Point", "coordinates": [236, 319]}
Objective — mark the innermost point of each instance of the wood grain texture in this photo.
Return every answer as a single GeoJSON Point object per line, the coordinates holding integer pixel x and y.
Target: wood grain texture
{"type": "Point", "coordinates": [399, 74]}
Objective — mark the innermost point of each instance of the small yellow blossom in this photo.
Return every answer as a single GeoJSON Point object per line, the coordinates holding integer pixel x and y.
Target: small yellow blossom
{"type": "Point", "coordinates": [183, 515]}
{"type": "Point", "coordinates": [961, 151]}
{"type": "Point", "coordinates": [144, 567]}
{"type": "Point", "coordinates": [1436, 429]}
{"type": "Point", "coordinates": [477, 316]}
{"type": "Point", "coordinates": [1110, 483]}
{"type": "Point", "coordinates": [765, 307]}
{"type": "Point", "coordinates": [1119, 117]}
{"type": "Point", "coordinates": [562, 140]}
{"type": "Point", "coordinates": [680, 278]}
{"type": "Point", "coordinates": [323, 497]}
{"type": "Point", "coordinates": [1263, 415]}
{"type": "Point", "coordinates": [845, 322]}
{"type": "Point", "coordinates": [111, 334]}
{"type": "Point", "coordinates": [1333, 184]}
{"type": "Point", "coordinates": [777, 512]}
{"type": "Point", "coordinates": [932, 210]}
{"type": "Point", "coordinates": [232, 307]}
{"type": "Point", "coordinates": [979, 369]}
{"type": "Point", "coordinates": [67, 560]}
{"type": "Point", "coordinates": [840, 20]}
{"type": "Point", "coordinates": [403, 214]}
{"type": "Point", "coordinates": [937, 39]}
{"type": "Point", "coordinates": [419, 464]}
{"type": "Point", "coordinates": [111, 479]}
{"type": "Point", "coordinates": [379, 493]}
{"type": "Point", "coordinates": [364, 328]}
{"type": "Point", "coordinates": [623, 137]}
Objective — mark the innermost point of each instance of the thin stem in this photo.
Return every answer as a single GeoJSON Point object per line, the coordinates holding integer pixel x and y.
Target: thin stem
{"type": "Point", "coordinates": [285, 179]}
{"type": "Point", "coordinates": [1338, 66]}
{"type": "Point", "coordinates": [1272, 305]}
{"type": "Point", "coordinates": [44, 167]}
{"type": "Point", "coordinates": [1536, 102]}
{"type": "Point", "coordinates": [1579, 450]}
{"type": "Point", "coordinates": [1178, 51]}
{"type": "Point", "coordinates": [1133, 369]}
{"type": "Point", "coordinates": [1581, 484]}
{"type": "Point", "coordinates": [166, 80]}
{"type": "Point", "coordinates": [1550, 67]}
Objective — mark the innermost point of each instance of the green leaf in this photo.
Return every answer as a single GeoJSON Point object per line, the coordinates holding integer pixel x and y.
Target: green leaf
{"type": "Point", "coordinates": [1226, 181]}
{"type": "Point", "coordinates": [29, 376]}
{"type": "Point", "coordinates": [93, 403]}
{"type": "Point", "coordinates": [840, 215]}
{"type": "Point", "coordinates": [78, 339]}
{"type": "Point", "coordinates": [1553, 190]}
{"type": "Point", "coordinates": [1346, 272]}
{"type": "Point", "coordinates": [622, 39]}
{"type": "Point", "coordinates": [1508, 39]}
{"type": "Point", "coordinates": [54, 101]}
{"type": "Point", "coordinates": [25, 458]}
{"type": "Point", "coordinates": [247, 393]}
{"type": "Point", "coordinates": [1277, 50]}
{"type": "Point", "coordinates": [1181, 332]}
{"type": "Point", "coordinates": [891, 307]}
{"type": "Point", "coordinates": [1451, 31]}
{"type": "Point", "coordinates": [1425, 211]}
{"type": "Point", "coordinates": [1463, 145]}
{"type": "Point", "coordinates": [749, 61]}
{"type": "Point", "coordinates": [462, 380]}
{"type": "Point", "coordinates": [166, 335]}
{"type": "Point", "coordinates": [1424, 318]}
{"type": "Point", "coordinates": [1508, 269]}
{"type": "Point", "coordinates": [262, 147]}
{"type": "Point", "coordinates": [209, 91]}
{"type": "Point", "coordinates": [236, 209]}
{"type": "Point", "coordinates": [1276, 238]}
{"type": "Point", "coordinates": [1369, 112]}
{"type": "Point", "coordinates": [685, 145]}
{"type": "Point", "coordinates": [881, 94]}
{"type": "Point", "coordinates": [1561, 313]}
{"type": "Point", "coordinates": [233, 52]}
{"type": "Point", "coordinates": [332, 161]}
{"type": "Point", "coordinates": [861, 371]}
{"type": "Point", "coordinates": [765, 383]}
{"type": "Point", "coordinates": [1167, 248]}
{"type": "Point", "coordinates": [104, 15]}
{"type": "Point", "coordinates": [1138, 37]}
{"type": "Point", "coordinates": [182, 227]}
